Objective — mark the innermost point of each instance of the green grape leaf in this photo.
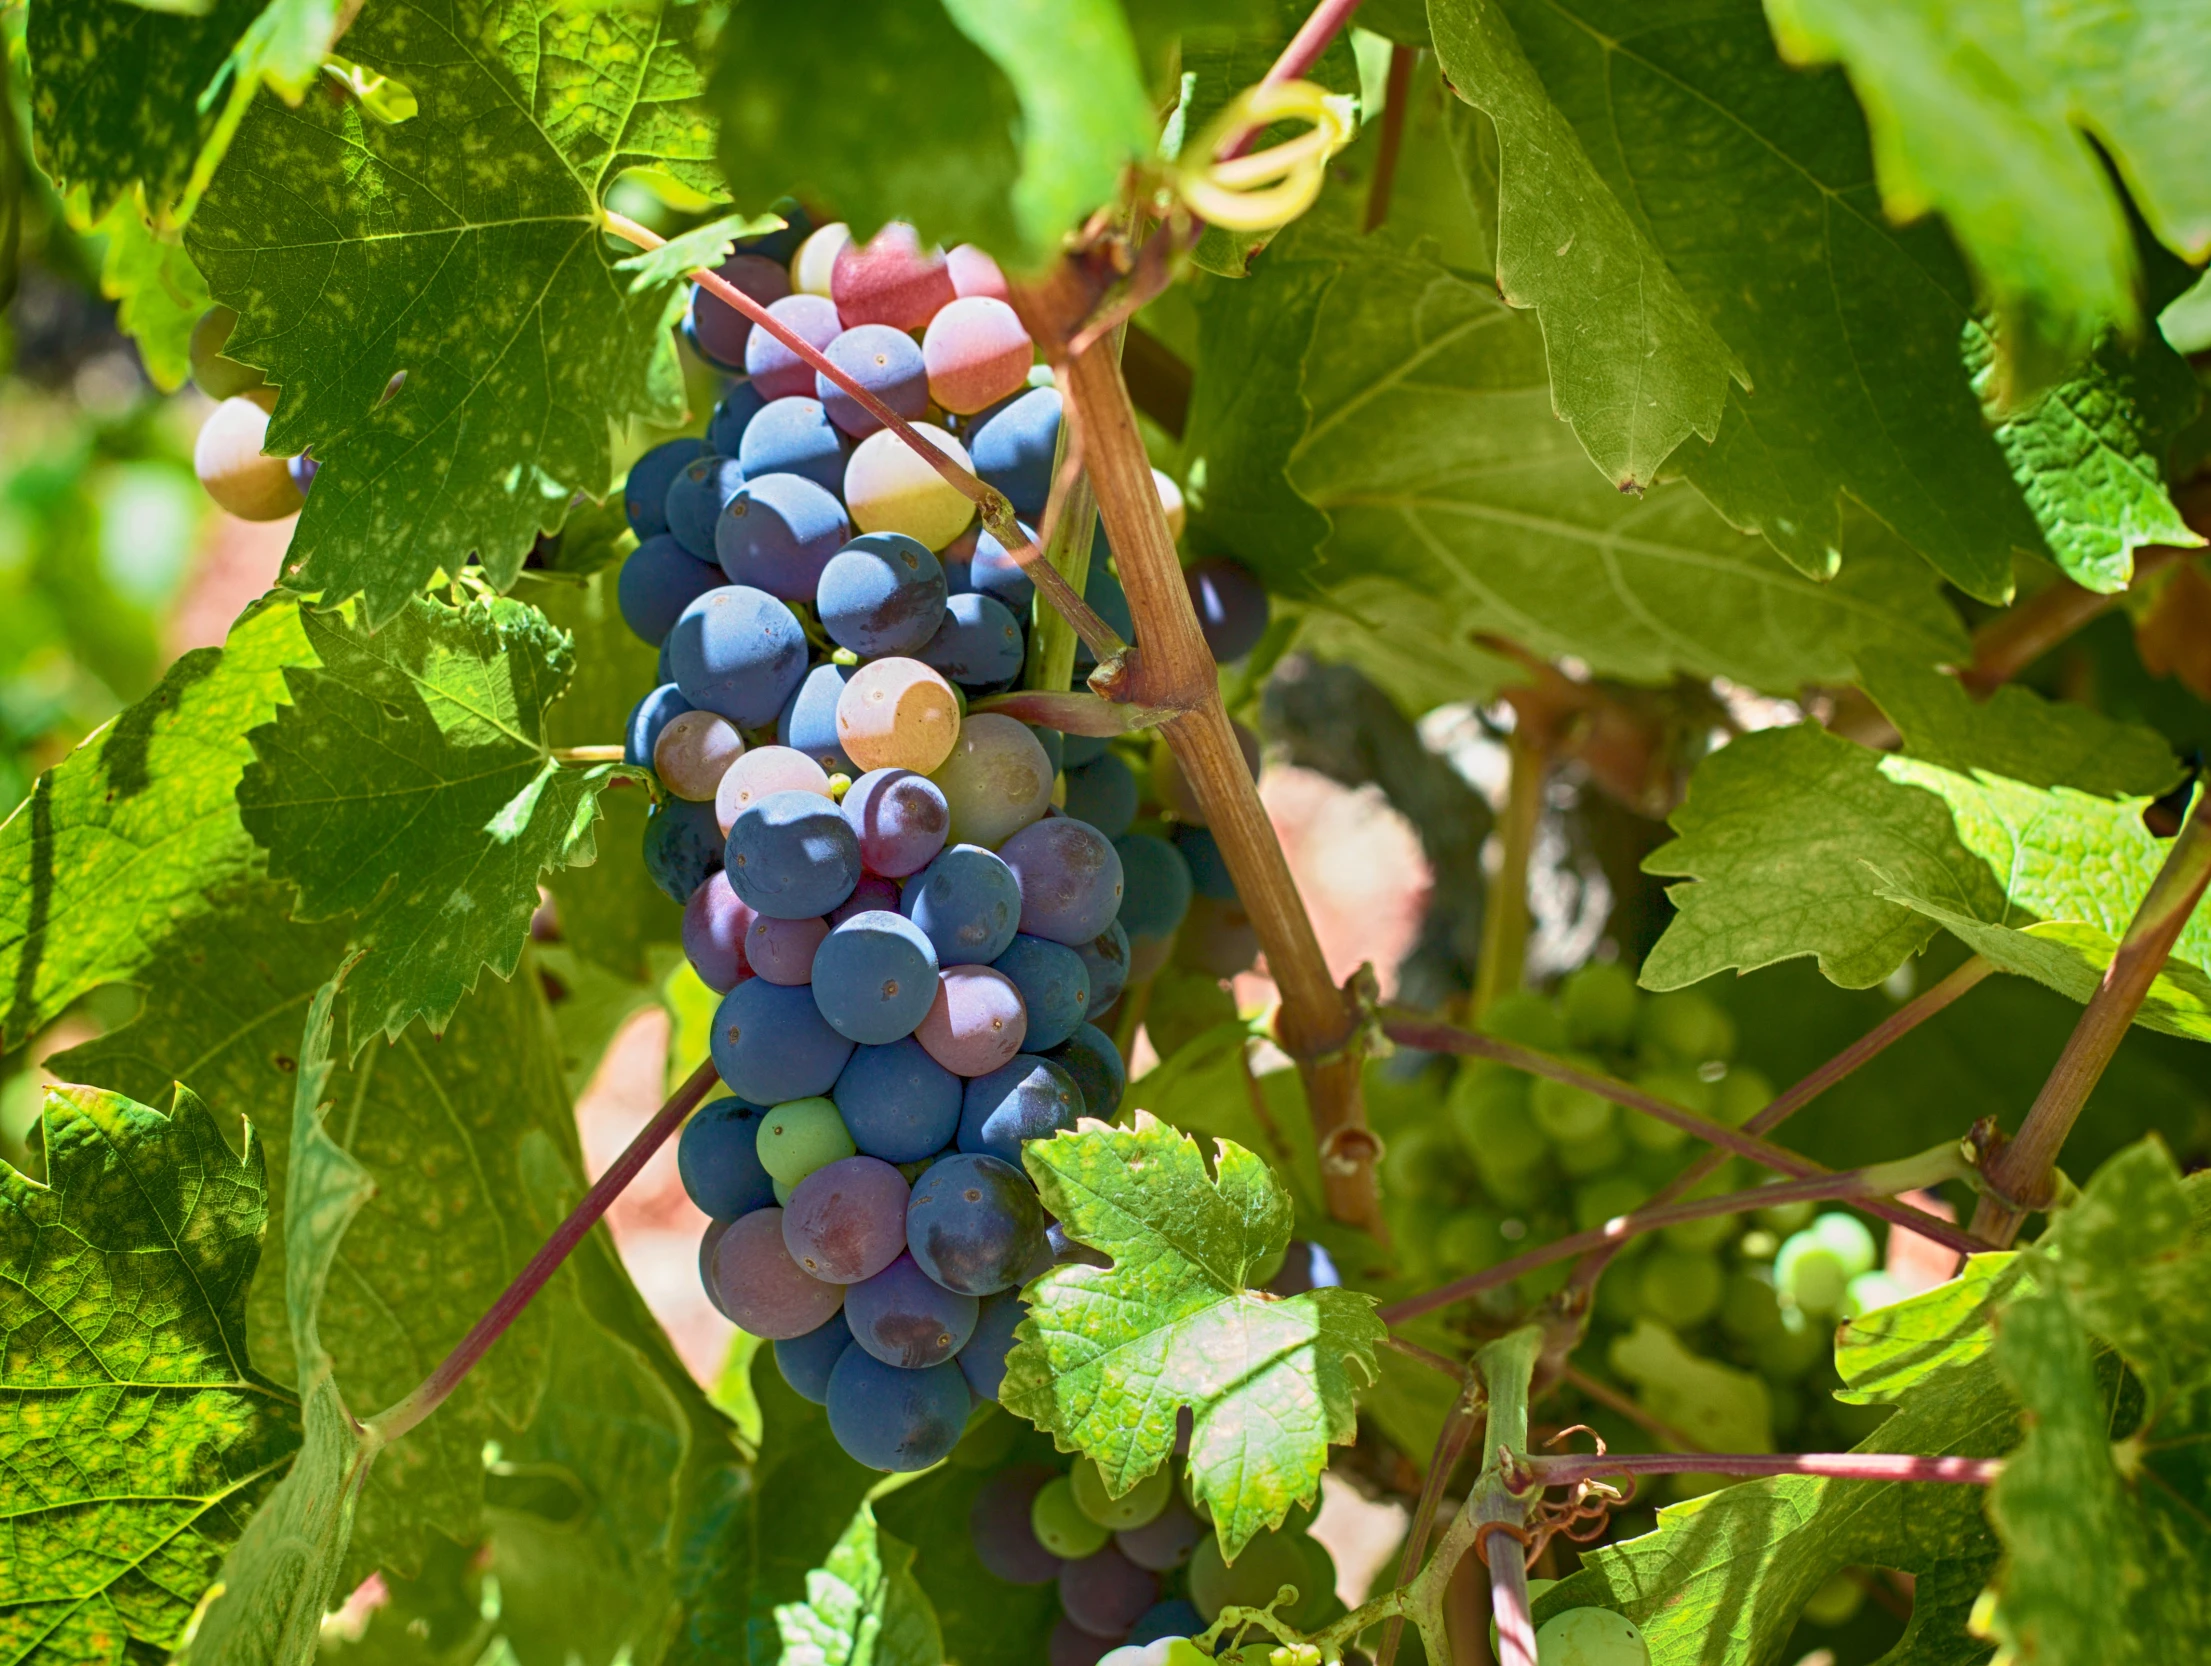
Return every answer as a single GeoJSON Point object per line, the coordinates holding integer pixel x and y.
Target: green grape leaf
{"type": "Point", "coordinates": [409, 785]}
{"type": "Point", "coordinates": [1887, 1352]}
{"type": "Point", "coordinates": [159, 293]}
{"type": "Point", "coordinates": [1726, 1410]}
{"type": "Point", "coordinates": [1635, 367]}
{"type": "Point", "coordinates": [1428, 477]}
{"type": "Point", "coordinates": [1108, 1356]}
{"type": "Point", "coordinates": [863, 1606]}
{"type": "Point", "coordinates": [127, 837]}
{"type": "Point", "coordinates": [461, 250]}
{"type": "Point", "coordinates": [708, 245]}
{"type": "Point", "coordinates": [282, 1576]}
{"type": "Point", "coordinates": [1980, 108]}
{"type": "Point", "coordinates": [139, 1435]}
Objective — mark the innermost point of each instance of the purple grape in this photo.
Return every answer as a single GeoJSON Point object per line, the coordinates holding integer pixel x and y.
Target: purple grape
{"type": "Point", "coordinates": [792, 855]}
{"type": "Point", "coordinates": [696, 498]}
{"type": "Point", "coordinates": [808, 721]}
{"type": "Point", "coordinates": [983, 1361]}
{"type": "Point", "coordinates": [707, 1240]}
{"type": "Point", "coordinates": [771, 1046]}
{"type": "Point", "coordinates": [1069, 878]}
{"type": "Point", "coordinates": [1104, 794]}
{"type": "Point", "coordinates": [900, 819]}
{"type": "Point", "coordinates": [1106, 958]}
{"type": "Point", "coordinates": [974, 1224]}
{"type": "Point", "coordinates": [775, 370]}
{"type": "Point", "coordinates": [647, 718]}
{"type": "Point", "coordinates": [1090, 1057]}
{"type": "Point", "coordinates": [1165, 1542]}
{"type": "Point", "coordinates": [905, 1318]}
{"type": "Point", "coordinates": [718, 329]}
{"type": "Point", "coordinates": [645, 492]}
{"type": "Point", "coordinates": [792, 436]}
{"type": "Point", "coordinates": [782, 951]}
{"type": "Point", "coordinates": [1027, 1098]}
{"type": "Point", "coordinates": [737, 652]}
{"type": "Point", "coordinates": [976, 1023]}
{"type": "Point", "coordinates": [885, 361]}
{"type": "Point", "coordinates": [806, 1361]}
{"type": "Point", "coordinates": [683, 846]}
{"type": "Point", "coordinates": [718, 1160]}
{"type": "Point", "coordinates": [883, 593]}
{"type": "Point", "coordinates": [898, 1103]}
{"type": "Point", "coordinates": [969, 902]}
{"type": "Point", "coordinates": [875, 978]}
{"type": "Point", "coordinates": [1106, 1593]}
{"type": "Point", "coordinates": [658, 581]}
{"type": "Point", "coordinates": [778, 533]}
{"type": "Point", "coordinates": [873, 892]}
{"type": "Point", "coordinates": [977, 643]}
{"type": "Point", "coordinates": [715, 921]}
{"type": "Point", "coordinates": [1231, 604]}
{"type": "Point", "coordinates": [998, 1521]}
{"type": "Point", "coordinates": [1070, 1645]}
{"type": "Point", "coordinates": [1155, 886]}
{"type": "Point", "coordinates": [847, 1220]}
{"type": "Point", "coordinates": [764, 1290]}
{"type": "Point", "coordinates": [1054, 985]}
{"type": "Point", "coordinates": [725, 429]}
{"type": "Point", "coordinates": [893, 1419]}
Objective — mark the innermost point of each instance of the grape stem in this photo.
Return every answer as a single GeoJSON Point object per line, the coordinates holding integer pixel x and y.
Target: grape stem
{"type": "Point", "coordinates": [589, 754]}
{"type": "Point", "coordinates": [1396, 90]}
{"type": "Point", "coordinates": [997, 513]}
{"type": "Point", "coordinates": [402, 1415]}
{"type": "Point", "coordinates": [2019, 1176]}
{"type": "Point", "coordinates": [1502, 965]}
{"type": "Point", "coordinates": [1074, 714]}
{"type": "Point", "coordinates": [1467, 1415]}
{"type": "Point", "coordinates": [1529, 1471]}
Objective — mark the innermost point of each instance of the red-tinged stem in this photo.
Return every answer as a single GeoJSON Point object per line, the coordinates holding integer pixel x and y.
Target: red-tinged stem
{"type": "Point", "coordinates": [1409, 1030]}
{"type": "Point", "coordinates": [1460, 1424]}
{"type": "Point", "coordinates": [1508, 1603]}
{"type": "Point", "coordinates": [1396, 91]}
{"type": "Point", "coordinates": [997, 513]}
{"type": "Point", "coordinates": [1611, 1398]}
{"type": "Point", "coordinates": [1322, 25]}
{"type": "Point", "coordinates": [403, 1415]}
{"type": "Point", "coordinates": [1074, 714]}
{"type": "Point", "coordinates": [1838, 1466]}
{"type": "Point", "coordinates": [2021, 1172]}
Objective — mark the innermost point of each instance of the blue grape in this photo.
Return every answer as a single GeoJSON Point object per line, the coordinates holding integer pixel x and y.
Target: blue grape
{"type": "Point", "coordinates": [1201, 853]}
{"type": "Point", "coordinates": [1106, 958]}
{"type": "Point", "coordinates": [1173, 1618]}
{"type": "Point", "coordinates": [647, 718]}
{"type": "Point", "coordinates": [974, 1223]}
{"type": "Point", "coordinates": [1111, 603]}
{"type": "Point", "coordinates": [1231, 604]}
{"type": "Point", "coordinates": [794, 436]}
{"type": "Point", "coordinates": [905, 1318]}
{"type": "Point", "coordinates": [708, 1241]}
{"type": "Point", "coordinates": [896, 1420]}
{"type": "Point", "coordinates": [977, 643]}
{"type": "Point", "coordinates": [683, 846]}
{"type": "Point", "coordinates": [898, 1103]}
{"type": "Point", "coordinates": [969, 904]}
{"type": "Point", "coordinates": [875, 977]}
{"type": "Point", "coordinates": [696, 499]}
{"type": "Point", "coordinates": [659, 580]}
{"type": "Point", "coordinates": [1094, 1064]}
{"type": "Point", "coordinates": [806, 1361]}
{"type": "Point", "coordinates": [983, 1361]}
{"type": "Point", "coordinates": [883, 593]}
{"type": "Point", "coordinates": [778, 533]}
{"type": "Point", "coordinates": [1012, 446]}
{"type": "Point", "coordinates": [645, 492]}
{"type": "Point", "coordinates": [791, 856]}
{"type": "Point", "coordinates": [885, 361]}
{"type": "Point", "coordinates": [777, 371]}
{"type": "Point", "coordinates": [992, 571]}
{"type": "Point", "coordinates": [1026, 1098]}
{"type": "Point", "coordinates": [733, 412]}
{"type": "Point", "coordinates": [1104, 793]}
{"type": "Point", "coordinates": [718, 1160]}
{"type": "Point", "coordinates": [1157, 887]}
{"type": "Point", "coordinates": [1083, 749]}
{"type": "Point", "coordinates": [1065, 1251]}
{"type": "Point", "coordinates": [1069, 879]}
{"type": "Point", "coordinates": [808, 721]}
{"type": "Point", "coordinates": [1054, 744]}
{"type": "Point", "coordinates": [738, 652]}
{"type": "Point", "coordinates": [771, 1044]}
{"type": "Point", "coordinates": [1054, 985]}
{"type": "Point", "coordinates": [900, 819]}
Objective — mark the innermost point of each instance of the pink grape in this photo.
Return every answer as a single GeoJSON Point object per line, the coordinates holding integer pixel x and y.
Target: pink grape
{"type": "Point", "coordinates": [1105, 1593]}
{"type": "Point", "coordinates": [887, 488]}
{"type": "Point", "coordinates": [763, 771]}
{"type": "Point", "coordinates": [976, 1023]}
{"type": "Point", "coordinates": [782, 951]}
{"type": "Point", "coordinates": [890, 280]}
{"type": "Point", "coordinates": [975, 273]}
{"type": "Point", "coordinates": [776, 371]}
{"type": "Point", "coordinates": [723, 331]}
{"type": "Point", "coordinates": [694, 752]}
{"type": "Point", "coordinates": [901, 819]}
{"type": "Point", "coordinates": [897, 714]}
{"type": "Point", "coordinates": [847, 1220]}
{"type": "Point", "coordinates": [715, 921]}
{"type": "Point", "coordinates": [762, 1287]}
{"type": "Point", "coordinates": [873, 892]}
{"type": "Point", "coordinates": [977, 353]}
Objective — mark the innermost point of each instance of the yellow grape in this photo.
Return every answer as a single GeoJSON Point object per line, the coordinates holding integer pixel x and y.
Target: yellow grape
{"type": "Point", "coordinates": [897, 714]}
{"type": "Point", "coordinates": [817, 258]}
{"type": "Point", "coordinates": [889, 489]}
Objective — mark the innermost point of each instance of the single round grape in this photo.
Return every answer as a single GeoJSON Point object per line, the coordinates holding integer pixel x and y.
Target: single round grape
{"type": "Point", "coordinates": [1605, 1199]}
{"type": "Point", "coordinates": [732, 414]}
{"type": "Point", "coordinates": [817, 256]}
{"type": "Point", "coordinates": [1174, 1620]}
{"type": "Point", "coordinates": [974, 1224]}
{"type": "Point", "coordinates": [1810, 1275]}
{"type": "Point", "coordinates": [1567, 1114]}
{"type": "Point", "coordinates": [1110, 602]}
{"type": "Point", "coordinates": [213, 372]}
{"type": "Point", "coordinates": [658, 581]}
{"type": "Point", "coordinates": [893, 1419]}
{"type": "Point", "coordinates": [977, 643]}
{"type": "Point", "coordinates": [1156, 885]}
{"type": "Point", "coordinates": [967, 902]}
{"type": "Point", "coordinates": [884, 361]}
{"type": "Point", "coordinates": [782, 951]}
{"type": "Point", "coordinates": [976, 1023]}
{"type": "Point", "coordinates": [715, 921]}
{"type": "Point", "coordinates": [645, 490]}
{"type": "Point", "coordinates": [708, 1240]}
{"type": "Point", "coordinates": [1054, 744]}
{"type": "Point", "coordinates": [775, 370]}
{"type": "Point", "coordinates": [899, 1103]}
{"type": "Point", "coordinates": [993, 571]}
{"type": "Point", "coordinates": [1174, 791]}
{"type": "Point", "coordinates": [791, 436]}
{"type": "Point", "coordinates": [806, 1361]}
{"type": "Point", "coordinates": [1316, 1593]}
{"type": "Point", "coordinates": [778, 533]}
{"type": "Point", "coordinates": [891, 279]}
{"type": "Point", "coordinates": [1054, 986]}
{"type": "Point", "coordinates": [1106, 958]}
{"type": "Point", "coordinates": [1105, 1592]}
{"type": "Point", "coordinates": [762, 1288]}
{"type": "Point", "coordinates": [1600, 1002]}
{"type": "Point", "coordinates": [1590, 1637]}
{"type": "Point", "coordinates": [760, 774]}
{"type": "Point", "coordinates": [1070, 879]}
{"type": "Point", "coordinates": [1082, 749]}
{"type": "Point", "coordinates": [1133, 1508]}
{"type": "Point", "coordinates": [682, 849]}
{"type": "Point", "coordinates": [700, 491]}
{"type": "Point", "coordinates": [808, 720]}
{"type": "Point", "coordinates": [304, 468]}
{"type": "Point", "coordinates": [847, 1220]}
{"type": "Point", "coordinates": [983, 1361]}
{"type": "Point", "coordinates": [1681, 1287]}
{"type": "Point", "coordinates": [1104, 794]}
{"type": "Point", "coordinates": [1070, 1645]}
{"type": "Point", "coordinates": [1013, 446]}
{"type": "Point", "coordinates": [1060, 1525]}
{"type": "Point", "coordinates": [889, 488]}
{"type": "Point", "coordinates": [770, 1045]}
{"type": "Point", "coordinates": [875, 977]}
{"type": "Point", "coordinates": [1217, 938]}
{"type": "Point", "coordinates": [228, 459]}
{"type": "Point", "coordinates": [905, 1318]}
{"type": "Point", "coordinates": [897, 714]}
{"type": "Point", "coordinates": [1094, 1064]}
{"type": "Point", "coordinates": [974, 273]}
{"type": "Point", "coordinates": [799, 1136]}
{"type": "Point", "coordinates": [998, 1521]}
{"type": "Point", "coordinates": [976, 353]}
{"type": "Point", "coordinates": [647, 718]}
{"type": "Point", "coordinates": [694, 752]}
{"type": "Point", "coordinates": [882, 594]}
{"type": "Point", "coordinates": [1026, 1098]}
{"type": "Point", "coordinates": [1740, 1095]}
{"type": "Point", "coordinates": [719, 329]}
{"type": "Point", "coordinates": [1209, 875]}
{"type": "Point", "coordinates": [1231, 605]}
{"type": "Point", "coordinates": [996, 781]}
{"type": "Point", "coordinates": [1685, 1028]}
{"type": "Point", "coordinates": [873, 892]}
{"type": "Point", "coordinates": [1849, 1238]}
{"type": "Point", "coordinates": [718, 1160]}
{"type": "Point", "coordinates": [1166, 1541]}
{"type": "Point", "coordinates": [1267, 1562]}
{"type": "Point", "coordinates": [739, 652]}
{"type": "Point", "coordinates": [900, 819]}
{"type": "Point", "coordinates": [792, 855]}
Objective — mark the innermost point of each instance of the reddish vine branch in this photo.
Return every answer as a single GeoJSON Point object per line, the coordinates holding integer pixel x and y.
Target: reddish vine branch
{"type": "Point", "coordinates": [1527, 1471]}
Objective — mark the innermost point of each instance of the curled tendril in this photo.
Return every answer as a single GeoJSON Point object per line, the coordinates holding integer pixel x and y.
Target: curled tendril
{"type": "Point", "coordinates": [1274, 186]}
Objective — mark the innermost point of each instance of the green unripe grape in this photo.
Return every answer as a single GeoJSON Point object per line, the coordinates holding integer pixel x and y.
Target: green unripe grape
{"type": "Point", "coordinates": [1583, 1158]}
{"type": "Point", "coordinates": [1469, 1241]}
{"type": "Point", "coordinates": [1600, 1002]}
{"type": "Point", "coordinates": [1420, 1162]}
{"type": "Point", "coordinates": [215, 375]}
{"type": "Point", "coordinates": [1517, 1189]}
{"type": "Point", "coordinates": [1809, 1275]}
{"type": "Point", "coordinates": [1164, 1651]}
{"type": "Point", "coordinates": [1848, 1237]}
{"type": "Point", "coordinates": [1316, 1591]}
{"type": "Point", "coordinates": [1683, 1087]}
{"type": "Point", "coordinates": [1870, 1292]}
{"type": "Point", "coordinates": [1835, 1601]}
{"type": "Point", "coordinates": [1600, 1200]}
{"type": "Point", "coordinates": [1590, 1637]}
{"type": "Point", "coordinates": [1793, 1349]}
{"type": "Point", "coordinates": [1682, 1287]}
{"type": "Point", "coordinates": [1060, 1525]}
{"type": "Point", "coordinates": [1415, 1226]}
{"type": "Point", "coordinates": [799, 1137]}
{"type": "Point", "coordinates": [1269, 1562]}
{"type": "Point", "coordinates": [1684, 1027]}
{"type": "Point", "coordinates": [1536, 1587]}
{"type": "Point", "coordinates": [1526, 1017]}
{"type": "Point", "coordinates": [1741, 1095]}
{"type": "Point", "coordinates": [1489, 1112]}
{"type": "Point", "coordinates": [1141, 1503]}
{"type": "Point", "coordinates": [1566, 1113]}
{"type": "Point", "coordinates": [1709, 1233]}
{"type": "Point", "coordinates": [1785, 1218]}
